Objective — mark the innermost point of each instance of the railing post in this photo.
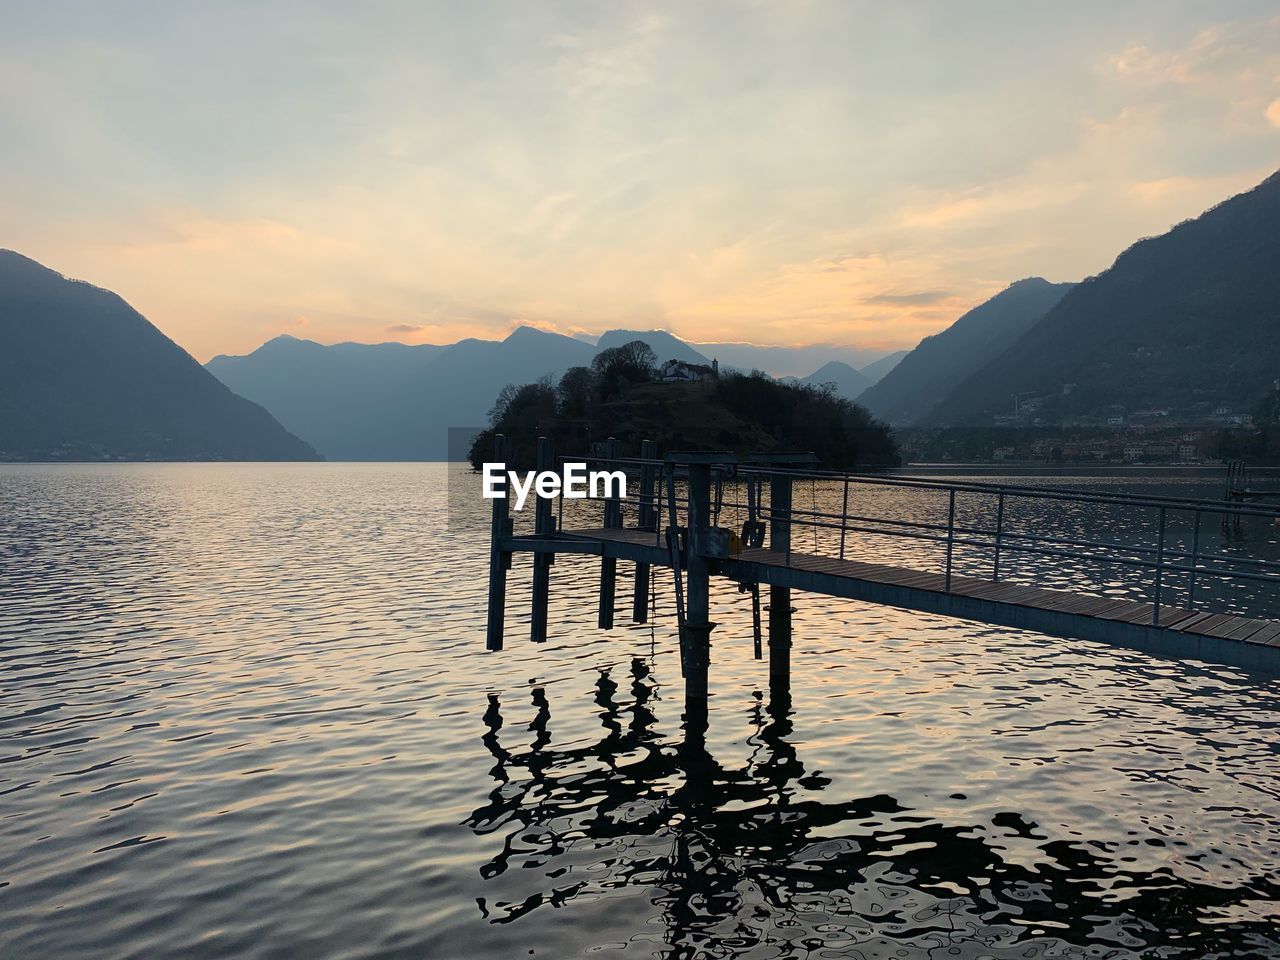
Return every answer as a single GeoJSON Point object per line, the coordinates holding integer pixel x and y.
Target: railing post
{"type": "Point", "coordinates": [646, 518]}
{"type": "Point", "coordinates": [780, 597]}
{"type": "Point", "coordinates": [609, 565]}
{"type": "Point", "coordinates": [844, 516]}
{"type": "Point", "coordinates": [951, 534]}
{"type": "Point", "coordinates": [995, 573]}
{"type": "Point", "coordinates": [1155, 610]}
{"type": "Point", "coordinates": [499, 559]}
{"type": "Point", "coordinates": [673, 546]}
{"type": "Point", "coordinates": [560, 501]}
{"type": "Point", "coordinates": [1195, 562]}
{"type": "Point", "coordinates": [543, 525]}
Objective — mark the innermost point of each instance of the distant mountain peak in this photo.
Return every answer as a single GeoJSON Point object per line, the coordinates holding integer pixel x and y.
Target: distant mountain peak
{"type": "Point", "coordinates": [665, 344]}
{"type": "Point", "coordinates": [834, 366]}
{"type": "Point", "coordinates": [525, 332]}
{"type": "Point", "coordinates": [849, 382]}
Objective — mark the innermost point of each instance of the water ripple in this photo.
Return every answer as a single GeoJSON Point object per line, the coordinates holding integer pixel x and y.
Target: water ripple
{"type": "Point", "coordinates": [247, 712]}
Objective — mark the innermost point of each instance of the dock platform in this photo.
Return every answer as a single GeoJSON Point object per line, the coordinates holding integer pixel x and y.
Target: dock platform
{"type": "Point", "coordinates": [677, 528]}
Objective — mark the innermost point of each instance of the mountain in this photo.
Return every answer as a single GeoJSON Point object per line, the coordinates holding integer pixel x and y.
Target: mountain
{"type": "Point", "coordinates": [457, 388]}
{"type": "Point", "coordinates": [783, 361]}
{"type": "Point", "coordinates": [877, 370]}
{"type": "Point", "coordinates": [390, 401]}
{"type": "Point", "coordinates": [395, 402]}
{"type": "Point", "coordinates": [338, 397]}
{"type": "Point", "coordinates": [1187, 322]}
{"type": "Point", "coordinates": [849, 383]}
{"type": "Point", "coordinates": [910, 392]}
{"type": "Point", "coordinates": [666, 346]}
{"type": "Point", "coordinates": [84, 376]}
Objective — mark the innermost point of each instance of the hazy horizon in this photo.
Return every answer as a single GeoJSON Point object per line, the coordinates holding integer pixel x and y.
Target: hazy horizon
{"type": "Point", "coordinates": [787, 174]}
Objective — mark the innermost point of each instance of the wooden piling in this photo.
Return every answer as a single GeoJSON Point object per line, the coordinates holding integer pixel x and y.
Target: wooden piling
{"type": "Point", "coordinates": [499, 559]}
{"type": "Point", "coordinates": [543, 525]}
{"type": "Point", "coordinates": [695, 638]}
{"type": "Point", "coordinates": [780, 597]}
{"type": "Point", "coordinates": [646, 519]}
{"type": "Point", "coordinates": [608, 565]}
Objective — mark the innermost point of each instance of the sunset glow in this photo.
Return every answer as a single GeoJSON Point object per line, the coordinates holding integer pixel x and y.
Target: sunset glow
{"type": "Point", "coordinates": [781, 173]}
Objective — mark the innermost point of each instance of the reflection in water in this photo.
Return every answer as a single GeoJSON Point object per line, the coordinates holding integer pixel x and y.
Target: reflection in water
{"type": "Point", "coordinates": [741, 861]}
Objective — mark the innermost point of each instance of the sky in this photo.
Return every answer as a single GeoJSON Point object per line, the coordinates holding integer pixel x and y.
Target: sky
{"type": "Point", "coordinates": [775, 172]}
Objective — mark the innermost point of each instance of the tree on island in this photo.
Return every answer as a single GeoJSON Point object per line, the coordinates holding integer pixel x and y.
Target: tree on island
{"type": "Point", "coordinates": [618, 396]}
{"type": "Point", "coordinates": [617, 368]}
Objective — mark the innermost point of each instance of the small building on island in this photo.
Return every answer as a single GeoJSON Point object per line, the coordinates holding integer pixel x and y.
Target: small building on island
{"type": "Point", "coordinates": [677, 371]}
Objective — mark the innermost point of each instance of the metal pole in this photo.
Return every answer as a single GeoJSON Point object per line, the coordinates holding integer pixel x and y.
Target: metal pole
{"type": "Point", "coordinates": [673, 545]}
{"type": "Point", "coordinates": [780, 597]}
{"type": "Point", "coordinates": [1155, 611]}
{"type": "Point", "coordinates": [844, 516]}
{"type": "Point", "coordinates": [609, 565]}
{"type": "Point", "coordinates": [951, 535]}
{"type": "Point", "coordinates": [499, 559]}
{"type": "Point", "coordinates": [543, 524]}
{"type": "Point", "coordinates": [1195, 562]}
{"type": "Point", "coordinates": [995, 575]}
{"type": "Point", "coordinates": [560, 499]}
{"type": "Point", "coordinates": [696, 636]}
{"type": "Point", "coordinates": [644, 520]}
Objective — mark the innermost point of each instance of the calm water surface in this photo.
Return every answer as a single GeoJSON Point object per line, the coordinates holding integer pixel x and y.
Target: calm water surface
{"type": "Point", "coordinates": [246, 712]}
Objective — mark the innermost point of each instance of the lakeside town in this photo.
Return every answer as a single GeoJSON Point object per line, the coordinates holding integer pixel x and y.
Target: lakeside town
{"type": "Point", "coordinates": [1208, 436]}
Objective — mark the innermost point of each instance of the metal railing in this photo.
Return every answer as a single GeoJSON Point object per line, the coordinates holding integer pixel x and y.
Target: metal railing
{"type": "Point", "coordinates": [1149, 550]}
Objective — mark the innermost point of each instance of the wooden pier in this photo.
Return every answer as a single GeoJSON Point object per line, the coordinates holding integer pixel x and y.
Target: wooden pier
{"type": "Point", "coordinates": [677, 508]}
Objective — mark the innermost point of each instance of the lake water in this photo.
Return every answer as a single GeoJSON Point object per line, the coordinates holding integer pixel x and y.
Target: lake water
{"type": "Point", "coordinates": [246, 711]}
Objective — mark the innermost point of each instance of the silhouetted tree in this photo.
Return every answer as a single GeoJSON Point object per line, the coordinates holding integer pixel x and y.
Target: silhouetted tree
{"type": "Point", "coordinates": [618, 367]}
{"type": "Point", "coordinates": [747, 413]}
{"type": "Point", "coordinates": [575, 392]}
{"type": "Point", "coordinates": [501, 403]}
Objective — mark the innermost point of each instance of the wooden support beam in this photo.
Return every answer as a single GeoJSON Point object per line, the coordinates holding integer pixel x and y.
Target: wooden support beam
{"type": "Point", "coordinates": [646, 519]}
{"type": "Point", "coordinates": [608, 565]}
{"type": "Point", "coordinates": [780, 596]}
{"type": "Point", "coordinates": [499, 559]}
{"type": "Point", "coordinates": [695, 638]}
{"type": "Point", "coordinates": [543, 525]}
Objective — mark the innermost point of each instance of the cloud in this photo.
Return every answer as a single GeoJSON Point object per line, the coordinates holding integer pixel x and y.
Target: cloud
{"type": "Point", "coordinates": [896, 299]}
{"type": "Point", "coordinates": [1154, 191]}
{"type": "Point", "coordinates": [1230, 49]}
{"type": "Point", "coordinates": [739, 178]}
{"type": "Point", "coordinates": [1226, 72]}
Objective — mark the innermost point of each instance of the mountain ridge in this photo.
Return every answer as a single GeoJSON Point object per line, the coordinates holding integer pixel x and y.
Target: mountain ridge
{"type": "Point", "coordinates": [912, 390]}
{"type": "Point", "coordinates": [1186, 322]}
{"type": "Point", "coordinates": [84, 376]}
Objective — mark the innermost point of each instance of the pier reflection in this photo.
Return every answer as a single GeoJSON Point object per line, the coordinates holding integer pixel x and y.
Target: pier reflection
{"type": "Point", "coordinates": [745, 860]}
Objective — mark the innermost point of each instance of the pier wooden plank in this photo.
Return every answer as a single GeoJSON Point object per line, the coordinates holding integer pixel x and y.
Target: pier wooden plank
{"type": "Point", "coordinates": [1269, 635]}
{"type": "Point", "coordinates": [1098, 606]}
{"type": "Point", "coordinates": [1204, 626]}
{"type": "Point", "coordinates": [1038, 604]}
{"type": "Point", "coordinates": [1222, 628]}
{"type": "Point", "coordinates": [1247, 627]}
{"type": "Point", "coordinates": [1131, 611]}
